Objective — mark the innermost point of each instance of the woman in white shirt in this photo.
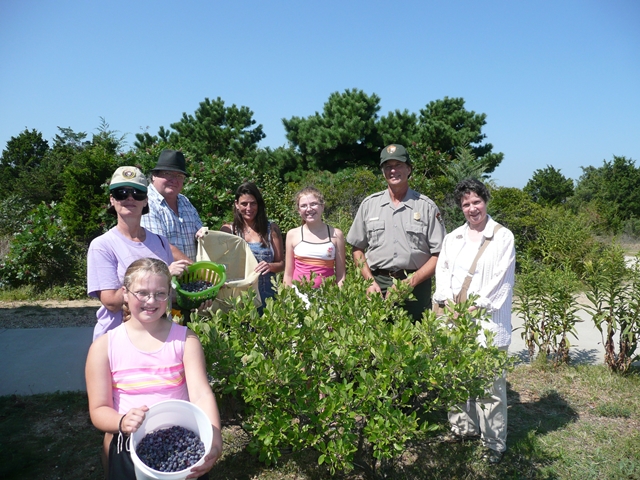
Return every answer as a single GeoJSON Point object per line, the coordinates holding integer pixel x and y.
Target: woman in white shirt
{"type": "Point", "coordinates": [492, 281]}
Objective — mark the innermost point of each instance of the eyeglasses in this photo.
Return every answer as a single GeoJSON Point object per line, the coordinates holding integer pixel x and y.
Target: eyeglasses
{"type": "Point", "coordinates": [170, 175]}
{"type": "Point", "coordinates": [310, 205]}
{"type": "Point", "coordinates": [143, 296]}
{"type": "Point", "coordinates": [123, 193]}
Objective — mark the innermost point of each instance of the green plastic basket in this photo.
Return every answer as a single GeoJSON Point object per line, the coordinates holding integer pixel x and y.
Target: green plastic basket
{"type": "Point", "coordinates": [207, 271]}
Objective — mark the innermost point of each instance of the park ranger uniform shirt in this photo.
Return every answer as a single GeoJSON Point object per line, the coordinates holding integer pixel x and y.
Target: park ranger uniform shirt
{"type": "Point", "coordinates": [403, 237]}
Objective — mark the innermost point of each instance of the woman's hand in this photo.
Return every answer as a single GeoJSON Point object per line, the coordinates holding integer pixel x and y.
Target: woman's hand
{"type": "Point", "coordinates": [178, 268]}
{"type": "Point", "coordinates": [263, 268]}
{"type": "Point", "coordinates": [133, 419]}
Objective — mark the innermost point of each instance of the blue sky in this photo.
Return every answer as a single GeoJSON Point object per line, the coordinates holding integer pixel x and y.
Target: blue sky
{"type": "Point", "coordinates": [558, 80]}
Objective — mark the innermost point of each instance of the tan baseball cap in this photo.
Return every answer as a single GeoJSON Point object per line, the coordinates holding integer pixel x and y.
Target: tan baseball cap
{"type": "Point", "coordinates": [128, 177]}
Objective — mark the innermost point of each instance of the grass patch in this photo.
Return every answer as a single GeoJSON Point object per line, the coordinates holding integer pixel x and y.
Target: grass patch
{"type": "Point", "coordinates": [28, 293]}
{"type": "Point", "coordinates": [48, 436]}
{"type": "Point", "coordinates": [573, 422]}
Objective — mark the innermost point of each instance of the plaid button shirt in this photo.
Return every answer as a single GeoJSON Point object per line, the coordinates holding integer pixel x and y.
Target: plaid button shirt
{"type": "Point", "coordinates": [179, 229]}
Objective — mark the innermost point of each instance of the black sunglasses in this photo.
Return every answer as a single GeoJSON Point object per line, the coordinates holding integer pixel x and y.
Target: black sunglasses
{"type": "Point", "coordinates": [123, 193]}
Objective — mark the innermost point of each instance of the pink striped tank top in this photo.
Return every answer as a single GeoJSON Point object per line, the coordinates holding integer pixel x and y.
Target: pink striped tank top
{"type": "Point", "coordinates": [318, 258]}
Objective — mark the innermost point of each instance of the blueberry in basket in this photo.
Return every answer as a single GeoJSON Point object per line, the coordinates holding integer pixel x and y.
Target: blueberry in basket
{"type": "Point", "coordinates": [197, 286]}
{"type": "Point", "coordinates": [170, 449]}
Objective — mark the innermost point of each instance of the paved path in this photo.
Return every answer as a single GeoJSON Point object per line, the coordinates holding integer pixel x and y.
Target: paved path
{"type": "Point", "coordinates": [43, 360]}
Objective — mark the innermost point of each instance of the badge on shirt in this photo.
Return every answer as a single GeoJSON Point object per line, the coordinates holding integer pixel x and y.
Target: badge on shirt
{"type": "Point", "coordinates": [416, 216]}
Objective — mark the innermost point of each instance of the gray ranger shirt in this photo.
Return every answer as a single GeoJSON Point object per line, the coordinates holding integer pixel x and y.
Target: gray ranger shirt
{"type": "Point", "coordinates": [397, 238]}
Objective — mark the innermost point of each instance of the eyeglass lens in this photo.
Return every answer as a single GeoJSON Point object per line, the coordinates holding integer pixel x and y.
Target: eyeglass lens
{"type": "Point", "coordinates": [146, 296]}
{"type": "Point", "coordinates": [310, 205]}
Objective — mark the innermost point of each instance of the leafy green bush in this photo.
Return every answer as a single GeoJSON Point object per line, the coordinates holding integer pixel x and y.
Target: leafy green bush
{"type": "Point", "coordinates": [563, 240]}
{"type": "Point", "coordinates": [278, 198]}
{"type": "Point", "coordinates": [86, 179]}
{"type": "Point", "coordinates": [343, 193]}
{"type": "Point", "coordinates": [610, 192]}
{"type": "Point", "coordinates": [212, 186]}
{"type": "Point", "coordinates": [346, 189]}
{"type": "Point", "coordinates": [515, 210]}
{"type": "Point", "coordinates": [346, 375]}
{"type": "Point", "coordinates": [13, 211]}
{"type": "Point", "coordinates": [632, 227]}
{"type": "Point", "coordinates": [43, 254]}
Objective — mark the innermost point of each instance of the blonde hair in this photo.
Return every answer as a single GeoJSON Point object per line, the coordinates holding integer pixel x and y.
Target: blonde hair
{"type": "Point", "coordinates": [139, 268]}
{"type": "Point", "coordinates": [308, 191]}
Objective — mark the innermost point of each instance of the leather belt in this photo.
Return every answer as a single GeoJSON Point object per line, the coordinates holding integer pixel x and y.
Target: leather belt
{"type": "Point", "coordinates": [400, 274]}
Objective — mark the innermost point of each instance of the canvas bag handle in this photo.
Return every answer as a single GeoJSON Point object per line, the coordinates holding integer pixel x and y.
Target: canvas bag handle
{"type": "Point", "coordinates": [462, 295]}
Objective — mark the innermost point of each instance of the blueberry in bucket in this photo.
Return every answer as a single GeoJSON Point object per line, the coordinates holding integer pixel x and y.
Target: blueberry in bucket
{"type": "Point", "coordinates": [170, 449]}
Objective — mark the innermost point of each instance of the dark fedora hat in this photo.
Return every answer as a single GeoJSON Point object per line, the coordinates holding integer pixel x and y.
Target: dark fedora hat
{"type": "Point", "coordinates": [172, 161]}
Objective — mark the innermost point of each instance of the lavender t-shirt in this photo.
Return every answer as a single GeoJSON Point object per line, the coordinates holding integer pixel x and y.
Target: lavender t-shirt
{"type": "Point", "coordinates": [107, 261]}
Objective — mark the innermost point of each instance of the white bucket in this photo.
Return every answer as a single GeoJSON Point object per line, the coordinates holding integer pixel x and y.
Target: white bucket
{"type": "Point", "coordinates": [168, 414]}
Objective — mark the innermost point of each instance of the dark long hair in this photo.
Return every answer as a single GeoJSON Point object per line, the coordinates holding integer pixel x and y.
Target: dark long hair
{"type": "Point", "coordinates": [262, 223]}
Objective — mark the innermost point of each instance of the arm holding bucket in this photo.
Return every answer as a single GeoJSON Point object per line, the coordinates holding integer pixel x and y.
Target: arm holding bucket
{"type": "Point", "coordinates": [98, 377]}
{"type": "Point", "coordinates": [200, 394]}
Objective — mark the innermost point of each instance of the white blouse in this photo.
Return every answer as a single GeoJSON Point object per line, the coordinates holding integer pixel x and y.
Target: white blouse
{"type": "Point", "coordinates": [493, 279]}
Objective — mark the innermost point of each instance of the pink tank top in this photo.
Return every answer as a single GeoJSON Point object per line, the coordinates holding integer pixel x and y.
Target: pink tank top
{"type": "Point", "coordinates": [319, 258]}
{"type": "Point", "coordinates": [146, 378]}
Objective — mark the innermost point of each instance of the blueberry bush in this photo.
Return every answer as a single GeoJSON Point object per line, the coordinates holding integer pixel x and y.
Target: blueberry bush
{"type": "Point", "coordinates": [348, 375]}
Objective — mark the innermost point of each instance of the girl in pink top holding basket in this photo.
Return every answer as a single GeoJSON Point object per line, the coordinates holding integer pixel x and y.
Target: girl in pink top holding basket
{"type": "Point", "coordinates": [145, 360]}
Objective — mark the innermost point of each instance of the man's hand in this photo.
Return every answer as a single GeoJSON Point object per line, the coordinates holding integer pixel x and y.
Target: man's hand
{"type": "Point", "coordinates": [374, 288]}
{"type": "Point", "coordinates": [202, 232]}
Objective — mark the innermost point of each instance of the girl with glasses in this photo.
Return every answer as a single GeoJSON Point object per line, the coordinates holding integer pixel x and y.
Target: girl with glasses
{"type": "Point", "coordinates": [145, 360]}
{"type": "Point", "coordinates": [315, 249]}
